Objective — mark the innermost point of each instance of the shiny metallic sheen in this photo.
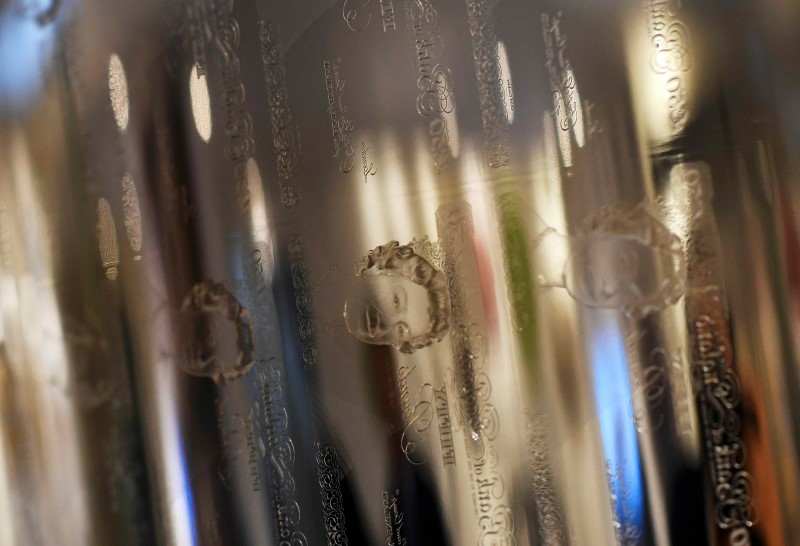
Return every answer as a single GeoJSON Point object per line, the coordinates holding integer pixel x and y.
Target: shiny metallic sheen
{"type": "Point", "coordinates": [403, 272]}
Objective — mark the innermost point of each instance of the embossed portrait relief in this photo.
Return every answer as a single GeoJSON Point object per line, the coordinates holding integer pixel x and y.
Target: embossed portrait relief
{"type": "Point", "coordinates": [622, 258]}
{"type": "Point", "coordinates": [401, 300]}
{"type": "Point", "coordinates": [218, 334]}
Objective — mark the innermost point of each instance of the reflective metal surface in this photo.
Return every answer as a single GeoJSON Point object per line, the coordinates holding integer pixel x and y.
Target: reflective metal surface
{"type": "Point", "coordinates": [399, 272]}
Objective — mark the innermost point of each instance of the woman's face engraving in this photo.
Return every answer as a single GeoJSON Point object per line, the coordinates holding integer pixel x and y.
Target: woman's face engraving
{"type": "Point", "coordinates": [400, 300]}
{"type": "Point", "coordinates": [388, 310]}
{"type": "Point", "coordinates": [627, 260]}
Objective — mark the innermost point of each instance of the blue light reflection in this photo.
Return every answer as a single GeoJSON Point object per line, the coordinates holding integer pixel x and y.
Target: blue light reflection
{"type": "Point", "coordinates": [619, 437]}
{"type": "Point", "coordinates": [24, 45]}
{"type": "Point", "coordinates": [188, 496]}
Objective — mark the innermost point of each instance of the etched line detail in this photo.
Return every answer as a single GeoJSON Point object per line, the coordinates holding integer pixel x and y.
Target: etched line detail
{"type": "Point", "coordinates": [548, 506]}
{"type": "Point", "coordinates": [477, 417]}
{"type": "Point", "coordinates": [285, 138]}
{"type": "Point", "coordinates": [622, 508]}
{"type": "Point", "coordinates": [567, 106]}
{"type": "Point", "coordinates": [716, 383]}
{"type": "Point", "coordinates": [107, 239]}
{"type": "Point", "coordinates": [238, 437]}
{"type": "Point", "coordinates": [435, 99]}
{"type": "Point", "coordinates": [488, 73]}
{"type": "Point", "coordinates": [238, 124]}
{"type": "Point", "coordinates": [280, 451]}
{"type": "Point", "coordinates": [302, 298]}
{"type": "Point", "coordinates": [329, 476]}
{"type": "Point", "coordinates": [393, 518]}
{"type": "Point", "coordinates": [132, 214]}
{"type": "Point", "coordinates": [672, 56]}
{"type": "Point", "coordinates": [342, 126]}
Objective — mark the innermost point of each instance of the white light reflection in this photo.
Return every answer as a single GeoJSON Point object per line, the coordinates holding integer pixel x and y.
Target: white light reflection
{"type": "Point", "coordinates": [547, 195]}
{"type": "Point", "coordinates": [397, 189]}
{"type": "Point", "coordinates": [163, 400]}
{"type": "Point", "coordinates": [662, 99]}
{"type": "Point", "coordinates": [453, 137]}
{"type": "Point", "coordinates": [677, 215]}
{"type": "Point", "coordinates": [578, 129]}
{"type": "Point", "coordinates": [259, 221]}
{"type": "Point", "coordinates": [201, 103]}
{"type": "Point", "coordinates": [472, 173]}
{"type": "Point", "coordinates": [564, 140]}
{"type": "Point", "coordinates": [258, 204]}
{"type": "Point", "coordinates": [43, 361]}
{"type": "Point", "coordinates": [552, 188]}
{"type": "Point", "coordinates": [505, 82]}
{"type": "Point", "coordinates": [502, 359]}
{"type": "Point", "coordinates": [375, 223]}
{"type": "Point", "coordinates": [426, 186]}
{"type": "Point", "coordinates": [118, 91]}
{"type": "Point", "coordinates": [176, 490]}
{"type": "Point", "coordinates": [387, 205]}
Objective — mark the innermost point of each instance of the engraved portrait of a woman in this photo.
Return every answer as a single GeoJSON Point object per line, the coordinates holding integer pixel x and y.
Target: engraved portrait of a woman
{"type": "Point", "coordinates": [621, 258]}
{"type": "Point", "coordinates": [400, 300]}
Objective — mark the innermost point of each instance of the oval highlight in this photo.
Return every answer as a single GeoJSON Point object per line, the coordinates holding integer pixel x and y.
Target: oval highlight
{"type": "Point", "coordinates": [201, 103]}
{"type": "Point", "coordinates": [118, 92]}
{"type": "Point", "coordinates": [133, 216]}
{"type": "Point", "coordinates": [107, 239]}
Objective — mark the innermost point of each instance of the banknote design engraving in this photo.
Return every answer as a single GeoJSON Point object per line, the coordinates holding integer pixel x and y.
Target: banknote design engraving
{"type": "Point", "coordinates": [476, 415]}
{"type": "Point", "coordinates": [403, 301]}
{"type": "Point", "coordinates": [279, 450]}
{"type": "Point", "coordinates": [716, 382]}
{"type": "Point", "coordinates": [330, 477]}
{"type": "Point", "coordinates": [285, 138]}
{"type": "Point", "coordinates": [548, 505]}
{"type": "Point", "coordinates": [303, 299]}
{"type": "Point", "coordinates": [488, 75]}
{"type": "Point", "coordinates": [672, 56]}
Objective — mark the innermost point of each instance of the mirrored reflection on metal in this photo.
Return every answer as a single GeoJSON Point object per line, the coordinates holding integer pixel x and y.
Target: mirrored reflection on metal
{"type": "Point", "coordinates": [420, 272]}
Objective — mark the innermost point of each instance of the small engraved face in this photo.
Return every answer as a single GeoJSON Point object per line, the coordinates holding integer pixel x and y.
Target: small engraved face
{"type": "Point", "coordinates": [391, 310]}
{"type": "Point", "coordinates": [211, 314]}
{"type": "Point", "coordinates": [402, 300]}
{"type": "Point", "coordinates": [626, 259]}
